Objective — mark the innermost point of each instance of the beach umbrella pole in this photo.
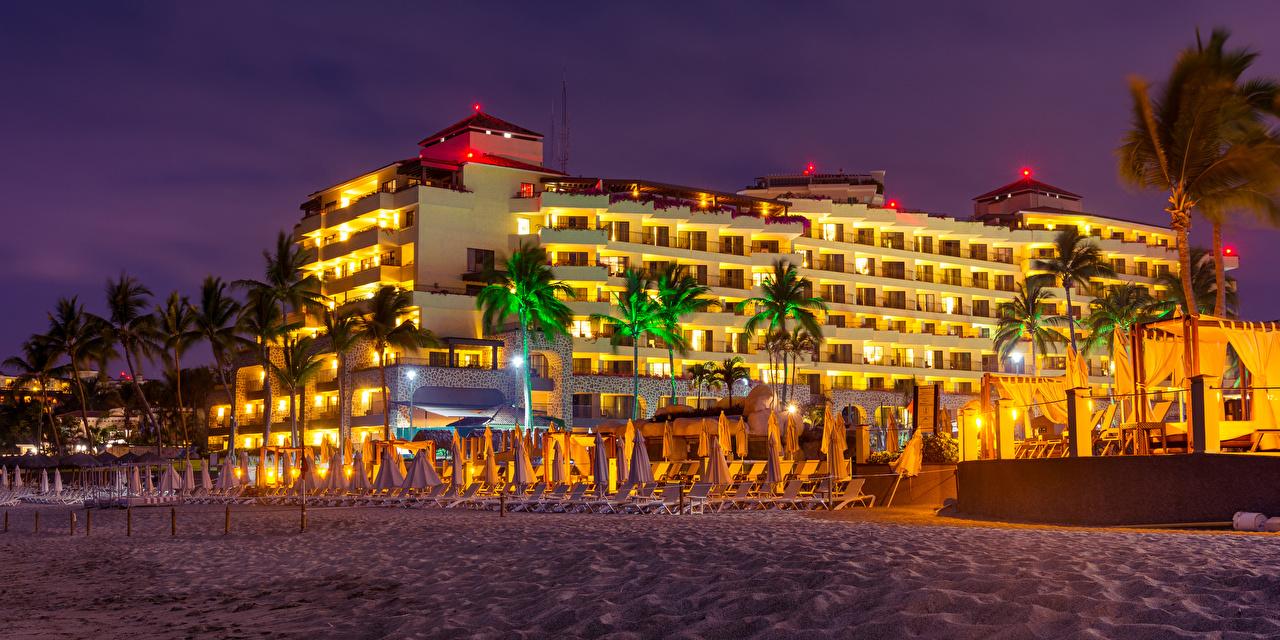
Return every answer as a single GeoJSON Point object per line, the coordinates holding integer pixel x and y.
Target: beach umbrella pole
{"type": "Point", "coordinates": [889, 503]}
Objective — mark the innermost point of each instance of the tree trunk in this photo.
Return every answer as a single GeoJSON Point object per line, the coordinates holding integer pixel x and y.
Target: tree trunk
{"type": "Point", "coordinates": [386, 401]}
{"type": "Point", "coordinates": [1180, 221]}
{"type": "Point", "coordinates": [267, 396]}
{"type": "Point", "coordinates": [231, 398]}
{"type": "Point", "coordinates": [1071, 318]}
{"type": "Point", "coordinates": [526, 373]}
{"type": "Point", "coordinates": [146, 406]}
{"type": "Point", "coordinates": [48, 411]}
{"type": "Point", "coordinates": [293, 416]}
{"type": "Point", "coordinates": [344, 432]}
{"type": "Point", "coordinates": [671, 368]}
{"type": "Point", "coordinates": [177, 381]}
{"type": "Point", "coordinates": [635, 376]}
{"type": "Point", "coordinates": [84, 410]}
{"type": "Point", "coordinates": [1219, 273]}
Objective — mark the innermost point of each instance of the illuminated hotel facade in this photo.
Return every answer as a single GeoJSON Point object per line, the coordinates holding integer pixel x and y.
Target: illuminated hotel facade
{"type": "Point", "coordinates": [912, 296]}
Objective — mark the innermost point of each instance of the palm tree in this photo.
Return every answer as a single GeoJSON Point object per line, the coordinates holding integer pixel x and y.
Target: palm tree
{"type": "Point", "coordinates": [260, 325]}
{"type": "Point", "coordinates": [1024, 318]}
{"type": "Point", "coordinates": [1119, 311]}
{"type": "Point", "coordinates": [176, 323]}
{"type": "Point", "coordinates": [340, 327]}
{"type": "Point", "coordinates": [703, 376]}
{"type": "Point", "coordinates": [383, 327]}
{"type": "Point", "coordinates": [526, 289]}
{"type": "Point", "coordinates": [80, 337]}
{"type": "Point", "coordinates": [290, 286]}
{"type": "Point", "coordinates": [799, 343]}
{"type": "Point", "coordinates": [215, 321]}
{"type": "Point", "coordinates": [638, 314]}
{"type": "Point", "coordinates": [729, 373]}
{"type": "Point", "coordinates": [1203, 287]}
{"type": "Point", "coordinates": [1201, 140]}
{"type": "Point", "coordinates": [784, 296]}
{"type": "Point", "coordinates": [1077, 259]}
{"type": "Point", "coordinates": [38, 364]}
{"type": "Point", "coordinates": [299, 364]}
{"type": "Point", "coordinates": [129, 326]}
{"type": "Point", "coordinates": [679, 295]}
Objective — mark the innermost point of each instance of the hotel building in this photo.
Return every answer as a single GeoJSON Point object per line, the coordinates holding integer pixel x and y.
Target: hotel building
{"type": "Point", "coordinates": [912, 295]}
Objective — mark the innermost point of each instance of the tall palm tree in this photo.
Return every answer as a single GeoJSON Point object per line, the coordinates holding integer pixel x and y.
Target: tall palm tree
{"type": "Point", "coordinates": [1024, 318]}
{"type": "Point", "coordinates": [527, 289]}
{"type": "Point", "coordinates": [731, 372]}
{"type": "Point", "coordinates": [340, 327]}
{"type": "Point", "coordinates": [785, 295]}
{"type": "Point", "coordinates": [679, 295]}
{"type": "Point", "coordinates": [176, 324]}
{"type": "Point", "coordinates": [638, 314]}
{"type": "Point", "coordinates": [382, 325]}
{"type": "Point", "coordinates": [215, 320]}
{"type": "Point", "coordinates": [38, 364]}
{"type": "Point", "coordinates": [1200, 140]}
{"type": "Point", "coordinates": [129, 326]}
{"type": "Point", "coordinates": [81, 338]}
{"type": "Point", "coordinates": [1204, 288]}
{"type": "Point", "coordinates": [799, 343]}
{"type": "Point", "coordinates": [703, 376]}
{"type": "Point", "coordinates": [259, 326]}
{"type": "Point", "coordinates": [1261, 99]}
{"type": "Point", "coordinates": [299, 365]}
{"type": "Point", "coordinates": [1118, 312]}
{"type": "Point", "coordinates": [1077, 259]}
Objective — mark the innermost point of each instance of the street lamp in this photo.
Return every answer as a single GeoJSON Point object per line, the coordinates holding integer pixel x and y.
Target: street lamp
{"type": "Point", "coordinates": [517, 361]}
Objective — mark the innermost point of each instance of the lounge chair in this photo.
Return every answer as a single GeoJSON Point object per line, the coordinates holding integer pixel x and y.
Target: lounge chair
{"type": "Point", "coordinates": [611, 504]}
{"type": "Point", "coordinates": [696, 500]}
{"type": "Point", "coordinates": [853, 494]}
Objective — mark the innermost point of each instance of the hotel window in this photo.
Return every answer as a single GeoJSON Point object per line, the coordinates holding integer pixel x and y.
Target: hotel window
{"type": "Point", "coordinates": [895, 299]}
{"type": "Point", "coordinates": [615, 264]}
{"type": "Point", "coordinates": [571, 259]}
{"type": "Point", "coordinates": [700, 339]}
{"type": "Point", "coordinates": [978, 251]}
{"type": "Point", "coordinates": [872, 354]}
{"type": "Point", "coordinates": [523, 226]}
{"type": "Point", "coordinates": [866, 297]}
{"type": "Point", "coordinates": [950, 248]}
{"type": "Point", "coordinates": [875, 384]}
{"type": "Point", "coordinates": [864, 266]}
{"type": "Point", "coordinates": [757, 279]}
{"type": "Point", "coordinates": [389, 186]}
{"type": "Point", "coordinates": [832, 232]}
{"type": "Point", "coordinates": [866, 236]}
{"type": "Point", "coordinates": [1004, 282]}
{"type": "Point", "coordinates": [581, 329]}
{"type": "Point", "coordinates": [925, 244]}
{"type": "Point", "coordinates": [1003, 254]}
{"type": "Point", "coordinates": [662, 369]}
{"type": "Point", "coordinates": [526, 189]}
{"type": "Point", "coordinates": [479, 260]}
{"type": "Point", "coordinates": [619, 231]}
{"type": "Point", "coordinates": [892, 240]}
{"type": "Point", "coordinates": [582, 366]}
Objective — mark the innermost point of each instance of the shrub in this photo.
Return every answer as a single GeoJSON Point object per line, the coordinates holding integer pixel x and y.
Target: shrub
{"type": "Point", "coordinates": [882, 457]}
{"type": "Point", "coordinates": [940, 448]}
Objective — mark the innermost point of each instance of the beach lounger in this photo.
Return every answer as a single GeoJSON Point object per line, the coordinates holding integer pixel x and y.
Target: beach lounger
{"type": "Point", "coordinates": [463, 498]}
{"type": "Point", "coordinates": [667, 500]}
{"type": "Point", "coordinates": [611, 503]}
{"type": "Point", "coordinates": [696, 500]}
{"type": "Point", "coordinates": [853, 494]}
{"type": "Point", "coordinates": [790, 491]}
{"type": "Point", "coordinates": [738, 493]}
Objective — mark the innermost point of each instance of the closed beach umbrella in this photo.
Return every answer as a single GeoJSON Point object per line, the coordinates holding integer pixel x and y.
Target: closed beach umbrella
{"type": "Point", "coordinates": [723, 433]}
{"type": "Point", "coordinates": [461, 477]}
{"type": "Point", "coordinates": [44, 481]}
{"type": "Point", "coordinates": [169, 481]}
{"type": "Point", "coordinates": [601, 467]}
{"type": "Point", "coordinates": [628, 444]}
{"type": "Point", "coordinates": [548, 458]}
{"type": "Point", "coordinates": [366, 449]}
{"type": "Point", "coordinates": [189, 477]}
{"type": "Point", "coordinates": [286, 471]}
{"type": "Point", "coordinates": [17, 478]}
{"type": "Point", "coordinates": [833, 446]}
{"type": "Point", "coordinates": [773, 466]}
{"type": "Point", "coordinates": [146, 477]}
{"type": "Point", "coordinates": [426, 474]}
{"type": "Point", "coordinates": [912, 458]}
{"type": "Point", "coordinates": [326, 449]}
{"type": "Point", "coordinates": [206, 482]}
{"type": "Point", "coordinates": [359, 481]}
{"type": "Point", "coordinates": [740, 438]}
{"type": "Point", "coordinates": [4, 478]}
{"type": "Point", "coordinates": [490, 461]}
{"type": "Point", "coordinates": [244, 467]}
{"type": "Point", "coordinates": [57, 482]}
{"type": "Point", "coordinates": [791, 441]}
{"type": "Point", "coordinates": [668, 440]}
{"type": "Point", "coordinates": [558, 475]}
{"type": "Point", "coordinates": [704, 447]}
{"type": "Point", "coordinates": [227, 475]}
{"type": "Point", "coordinates": [641, 472]}
{"type": "Point", "coordinates": [135, 482]}
{"type": "Point", "coordinates": [337, 477]}
{"type": "Point", "coordinates": [524, 468]}
{"type": "Point", "coordinates": [717, 469]}
{"type": "Point", "coordinates": [388, 477]}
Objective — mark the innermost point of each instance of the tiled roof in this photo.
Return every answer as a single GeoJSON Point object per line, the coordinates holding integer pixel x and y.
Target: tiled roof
{"type": "Point", "coordinates": [1024, 185]}
{"type": "Point", "coordinates": [480, 120]}
{"type": "Point", "coordinates": [499, 161]}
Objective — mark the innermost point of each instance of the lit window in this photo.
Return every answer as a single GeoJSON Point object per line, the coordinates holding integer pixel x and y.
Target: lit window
{"type": "Point", "coordinates": [860, 265]}
{"type": "Point", "coordinates": [523, 227]}
{"type": "Point", "coordinates": [872, 354]}
{"type": "Point", "coordinates": [659, 368]}
{"type": "Point", "coordinates": [830, 231]}
{"type": "Point", "coordinates": [580, 329]}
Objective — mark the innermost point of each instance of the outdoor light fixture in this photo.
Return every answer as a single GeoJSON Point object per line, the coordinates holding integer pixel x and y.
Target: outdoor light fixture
{"type": "Point", "coordinates": [411, 374]}
{"type": "Point", "coordinates": [1015, 356]}
{"type": "Point", "coordinates": [1026, 172]}
{"type": "Point", "coordinates": [791, 408]}
{"type": "Point", "coordinates": [517, 361]}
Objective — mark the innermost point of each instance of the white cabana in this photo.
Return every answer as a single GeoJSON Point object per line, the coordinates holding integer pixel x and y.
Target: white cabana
{"type": "Point", "coordinates": [640, 472]}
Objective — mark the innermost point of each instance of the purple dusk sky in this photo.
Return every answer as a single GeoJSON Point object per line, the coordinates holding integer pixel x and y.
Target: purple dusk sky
{"type": "Point", "coordinates": [172, 140]}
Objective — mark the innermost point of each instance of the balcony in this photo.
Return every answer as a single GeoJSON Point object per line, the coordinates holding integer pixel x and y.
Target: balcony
{"type": "Point", "coordinates": [574, 271]}
{"type": "Point", "coordinates": [385, 273]}
{"type": "Point", "coordinates": [572, 235]}
{"type": "Point", "coordinates": [362, 239]}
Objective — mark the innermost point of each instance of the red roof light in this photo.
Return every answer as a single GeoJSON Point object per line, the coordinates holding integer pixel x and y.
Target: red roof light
{"type": "Point", "coordinates": [476, 107]}
{"type": "Point", "coordinates": [893, 204]}
{"type": "Point", "coordinates": [1228, 250]}
{"type": "Point", "coordinates": [1026, 172]}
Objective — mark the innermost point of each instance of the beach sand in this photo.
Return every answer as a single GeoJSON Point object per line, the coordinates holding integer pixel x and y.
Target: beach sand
{"type": "Point", "coordinates": [395, 573]}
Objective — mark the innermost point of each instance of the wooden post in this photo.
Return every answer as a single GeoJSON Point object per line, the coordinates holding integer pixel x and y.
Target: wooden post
{"type": "Point", "coordinates": [6, 522]}
{"type": "Point", "coordinates": [679, 509]}
{"type": "Point", "coordinates": [72, 519]}
{"type": "Point", "coordinates": [173, 521]}
{"type": "Point", "coordinates": [128, 521]}
{"type": "Point", "coordinates": [88, 522]}
{"type": "Point", "coordinates": [226, 523]}
{"type": "Point", "coordinates": [502, 504]}
{"type": "Point", "coordinates": [303, 526]}
{"type": "Point", "coordinates": [37, 527]}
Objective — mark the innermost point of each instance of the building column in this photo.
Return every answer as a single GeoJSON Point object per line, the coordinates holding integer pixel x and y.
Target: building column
{"type": "Point", "coordinates": [1079, 424]}
{"type": "Point", "coordinates": [1004, 422]}
{"type": "Point", "coordinates": [1205, 413]}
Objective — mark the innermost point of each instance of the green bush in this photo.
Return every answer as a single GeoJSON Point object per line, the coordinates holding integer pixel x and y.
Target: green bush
{"type": "Point", "coordinates": [882, 457]}
{"type": "Point", "coordinates": [940, 448]}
